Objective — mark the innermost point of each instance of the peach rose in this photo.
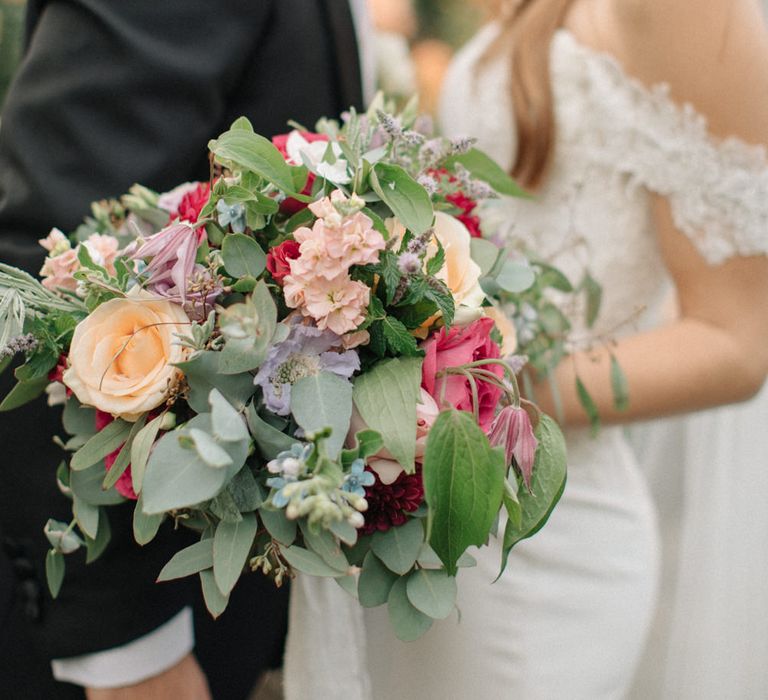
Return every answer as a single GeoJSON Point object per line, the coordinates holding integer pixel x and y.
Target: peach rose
{"type": "Point", "coordinates": [506, 328]}
{"type": "Point", "coordinates": [121, 357]}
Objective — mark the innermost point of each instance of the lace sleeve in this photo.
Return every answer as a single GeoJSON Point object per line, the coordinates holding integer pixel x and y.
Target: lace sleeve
{"type": "Point", "coordinates": [717, 189]}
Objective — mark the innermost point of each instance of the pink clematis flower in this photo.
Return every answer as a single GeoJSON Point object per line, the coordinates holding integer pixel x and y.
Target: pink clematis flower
{"type": "Point", "coordinates": [512, 429]}
{"type": "Point", "coordinates": [172, 252]}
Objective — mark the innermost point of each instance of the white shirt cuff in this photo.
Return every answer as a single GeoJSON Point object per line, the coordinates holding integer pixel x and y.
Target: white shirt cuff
{"type": "Point", "coordinates": [134, 662]}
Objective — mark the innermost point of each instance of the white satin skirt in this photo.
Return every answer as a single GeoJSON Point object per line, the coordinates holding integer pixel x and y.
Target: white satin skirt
{"type": "Point", "coordinates": [568, 619]}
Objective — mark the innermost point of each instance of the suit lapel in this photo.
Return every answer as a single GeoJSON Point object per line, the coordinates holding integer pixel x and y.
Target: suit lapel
{"type": "Point", "coordinates": [346, 52]}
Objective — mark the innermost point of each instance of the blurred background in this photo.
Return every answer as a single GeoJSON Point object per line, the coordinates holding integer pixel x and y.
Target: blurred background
{"type": "Point", "coordinates": [11, 37]}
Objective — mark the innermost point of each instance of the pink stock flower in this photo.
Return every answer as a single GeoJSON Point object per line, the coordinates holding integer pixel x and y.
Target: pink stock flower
{"type": "Point", "coordinates": [512, 429]}
{"type": "Point", "coordinates": [57, 271]}
{"type": "Point", "coordinates": [103, 250]}
{"type": "Point", "coordinates": [55, 242]}
{"type": "Point", "coordinates": [172, 252]}
{"type": "Point", "coordinates": [338, 304]}
{"type": "Point", "coordinates": [456, 347]}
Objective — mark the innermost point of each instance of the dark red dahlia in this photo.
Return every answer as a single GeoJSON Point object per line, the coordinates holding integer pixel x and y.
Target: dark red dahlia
{"type": "Point", "coordinates": [467, 206]}
{"type": "Point", "coordinates": [192, 203]}
{"type": "Point", "coordinates": [389, 504]}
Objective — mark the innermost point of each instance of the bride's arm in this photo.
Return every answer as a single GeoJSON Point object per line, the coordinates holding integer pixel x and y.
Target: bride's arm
{"type": "Point", "coordinates": [717, 350]}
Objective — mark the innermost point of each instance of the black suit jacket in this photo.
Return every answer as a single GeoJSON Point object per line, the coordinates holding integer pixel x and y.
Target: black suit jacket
{"type": "Point", "coordinates": [113, 92]}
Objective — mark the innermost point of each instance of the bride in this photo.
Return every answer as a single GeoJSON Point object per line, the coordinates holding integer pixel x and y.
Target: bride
{"type": "Point", "coordinates": [639, 125]}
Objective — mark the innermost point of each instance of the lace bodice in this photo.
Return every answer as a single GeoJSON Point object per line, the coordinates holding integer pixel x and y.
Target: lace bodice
{"type": "Point", "coordinates": [617, 141]}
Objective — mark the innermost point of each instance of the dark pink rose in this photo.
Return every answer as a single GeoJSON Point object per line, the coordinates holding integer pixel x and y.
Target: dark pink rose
{"type": "Point", "coordinates": [279, 257]}
{"type": "Point", "coordinates": [456, 347]}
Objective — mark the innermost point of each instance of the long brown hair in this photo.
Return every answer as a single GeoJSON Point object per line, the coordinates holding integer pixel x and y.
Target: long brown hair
{"type": "Point", "coordinates": [528, 26]}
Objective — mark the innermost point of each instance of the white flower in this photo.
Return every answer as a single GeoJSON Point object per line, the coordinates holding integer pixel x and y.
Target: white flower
{"type": "Point", "coordinates": [302, 152]}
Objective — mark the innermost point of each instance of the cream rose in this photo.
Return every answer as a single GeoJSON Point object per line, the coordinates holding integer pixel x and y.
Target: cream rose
{"type": "Point", "coordinates": [121, 357]}
{"type": "Point", "coordinates": [506, 328]}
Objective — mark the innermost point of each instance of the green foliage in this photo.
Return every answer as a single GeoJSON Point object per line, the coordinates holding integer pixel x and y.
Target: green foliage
{"type": "Point", "coordinates": [463, 485]}
{"type": "Point", "coordinates": [408, 622]}
{"type": "Point", "coordinates": [547, 485]}
{"type": "Point", "coordinates": [375, 582]}
{"type": "Point", "coordinates": [589, 406]}
{"type": "Point", "coordinates": [215, 600]}
{"type": "Point", "coordinates": [140, 449]}
{"type": "Point", "coordinates": [619, 385]}
{"type": "Point", "coordinates": [399, 547]}
{"type": "Point", "coordinates": [54, 571]}
{"type": "Point", "coordinates": [484, 168]}
{"type": "Point", "coordinates": [145, 526]}
{"type": "Point", "coordinates": [87, 486]}
{"type": "Point", "coordinates": [323, 543]}
{"type": "Point", "coordinates": [101, 444]}
{"type": "Point", "coordinates": [203, 374]}
{"type": "Point", "coordinates": [323, 401]}
{"type": "Point", "coordinates": [23, 393]}
{"type": "Point", "coordinates": [269, 440]}
{"type": "Point", "coordinates": [407, 199]}
{"type": "Point", "coordinates": [95, 547]}
{"type": "Point", "coordinates": [278, 526]}
{"type": "Point", "coordinates": [188, 561]}
{"type": "Point", "coordinates": [231, 545]}
{"type": "Point", "coordinates": [432, 592]}
{"type": "Point", "coordinates": [309, 563]}
{"type": "Point", "coordinates": [243, 257]}
{"type": "Point", "coordinates": [386, 398]}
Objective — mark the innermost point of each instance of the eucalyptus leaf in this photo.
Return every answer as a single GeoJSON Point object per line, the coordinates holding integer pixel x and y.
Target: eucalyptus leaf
{"type": "Point", "coordinates": [515, 277]}
{"type": "Point", "coordinates": [123, 460]}
{"type": "Point", "coordinates": [619, 385]}
{"type": "Point", "coordinates": [215, 601]}
{"type": "Point", "coordinates": [458, 453]}
{"type": "Point", "coordinates": [345, 532]}
{"type": "Point", "coordinates": [228, 424]}
{"type": "Point", "coordinates": [589, 406]}
{"type": "Point", "coordinates": [243, 256]}
{"type": "Point", "coordinates": [23, 393]}
{"type": "Point", "coordinates": [386, 398]}
{"type": "Point", "coordinates": [308, 562]}
{"type": "Point", "coordinates": [95, 547]}
{"type": "Point", "coordinates": [231, 546]}
{"type": "Point", "coordinates": [87, 516]}
{"type": "Point", "coordinates": [78, 419]}
{"type": "Point", "coordinates": [323, 400]}
{"type": "Point", "coordinates": [140, 449]}
{"type": "Point", "coordinates": [408, 622]}
{"type": "Point", "coordinates": [484, 168]}
{"type": "Point", "coordinates": [433, 592]}
{"type": "Point", "coordinates": [145, 526]}
{"type": "Point", "coordinates": [209, 450]}
{"type": "Point", "coordinates": [399, 547]}
{"type": "Point", "coordinates": [322, 542]}
{"type": "Point", "coordinates": [245, 491]}
{"type": "Point", "coordinates": [101, 444]}
{"type": "Point", "coordinates": [485, 254]}
{"type": "Point", "coordinates": [54, 571]}
{"type": "Point", "coordinates": [188, 561]}
{"type": "Point", "coordinates": [278, 526]}
{"type": "Point", "coordinates": [203, 374]}
{"type": "Point", "coordinates": [375, 582]}
{"type": "Point", "coordinates": [269, 440]}
{"type": "Point", "coordinates": [87, 485]}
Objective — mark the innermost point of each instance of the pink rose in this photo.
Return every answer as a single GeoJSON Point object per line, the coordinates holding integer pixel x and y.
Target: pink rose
{"type": "Point", "coordinates": [279, 257]}
{"type": "Point", "coordinates": [456, 347]}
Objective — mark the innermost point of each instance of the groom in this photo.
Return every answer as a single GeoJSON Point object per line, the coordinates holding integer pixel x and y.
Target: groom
{"type": "Point", "coordinates": [113, 92]}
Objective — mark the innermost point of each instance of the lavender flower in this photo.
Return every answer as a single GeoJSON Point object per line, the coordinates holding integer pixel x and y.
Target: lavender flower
{"type": "Point", "coordinates": [19, 343]}
{"type": "Point", "coordinates": [429, 183]}
{"type": "Point", "coordinates": [461, 145]}
{"type": "Point", "coordinates": [390, 125]}
{"type": "Point", "coordinates": [304, 353]}
{"type": "Point", "coordinates": [409, 263]}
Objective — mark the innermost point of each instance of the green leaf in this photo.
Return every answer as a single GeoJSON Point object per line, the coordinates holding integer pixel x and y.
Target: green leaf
{"type": "Point", "coordinates": [215, 601]}
{"type": "Point", "coordinates": [87, 485]}
{"type": "Point", "coordinates": [485, 168]}
{"type": "Point", "coordinates": [345, 532]}
{"type": "Point", "coordinates": [255, 153]}
{"type": "Point", "coordinates": [278, 526]}
{"type": "Point", "coordinates": [245, 491]}
{"type": "Point", "coordinates": [375, 582]}
{"type": "Point", "coordinates": [547, 485]}
{"type": "Point", "coordinates": [231, 546]}
{"type": "Point", "coordinates": [407, 199]}
{"type": "Point", "coordinates": [619, 385]}
{"type": "Point", "coordinates": [145, 526]}
{"type": "Point", "coordinates": [23, 393]}
{"type": "Point", "coordinates": [485, 254]}
{"type": "Point", "coordinates": [101, 444]}
{"type": "Point", "coordinates": [78, 419]}
{"type": "Point", "coordinates": [54, 571]}
{"type": "Point", "coordinates": [203, 373]}
{"type": "Point", "coordinates": [367, 443]}
{"type": "Point", "coordinates": [322, 542]}
{"type": "Point", "coordinates": [96, 547]}
{"type": "Point", "coordinates": [589, 406]}
{"type": "Point", "coordinates": [552, 277]}
{"type": "Point", "coordinates": [269, 440]}
{"type": "Point", "coordinates": [87, 516]}
{"type": "Point", "coordinates": [463, 485]}
{"type": "Point", "coordinates": [408, 622]}
{"type": "Point", "coordinates": [309, 563]}
{"type": "Point", "coordinates": [245, 354]}
{"type": "Point", "coordinates": [433, 592]}
{"type": "Point", "coordinates": [209, 450]}
{"type": "Point", "coordinates": [429, 560]}
{"type": "Point", "coordinates": [386, 398]}
{"type": "Point", "coordinates": [323, 401]}
{"type": "Point", "coordinates": [188, 561]}
{"type": "Point", "coordinates": [436, 262]}
{"type": "Point", "coordinates": [399, 547]}
{"type": "Point", "coordinates": [515, 277]}
{"type": "Point", "coordinates": [399, 340]}
{"type": "Point", "coordinates": [177, 477]}
{"type": "Point", "coordinates": [439, 293]}
{"type": "Point", "coordinates": [225, 508]}
{"type": "Point", "coordinates": [140, 449]}
{"type": "Point", "coordinates": [594, 293]}
{"type": "Point", "coordinates": [243, 257]}
{"type": "Point", "coordinates": [228, 424]}
{"type": "Point", "coordinates": [123, 460]}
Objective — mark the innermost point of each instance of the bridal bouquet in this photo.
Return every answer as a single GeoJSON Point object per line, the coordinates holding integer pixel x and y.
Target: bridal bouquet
{"type": "Point", "coordinates": [303, 360]}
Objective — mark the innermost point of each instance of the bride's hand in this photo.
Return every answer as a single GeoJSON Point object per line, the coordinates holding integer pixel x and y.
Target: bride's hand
{"type": "Point", "coordinates": [184, 680]}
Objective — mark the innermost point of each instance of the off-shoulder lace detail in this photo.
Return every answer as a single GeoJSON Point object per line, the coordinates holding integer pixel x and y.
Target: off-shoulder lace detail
{"type": "Point", "coordinates": [717, 188]}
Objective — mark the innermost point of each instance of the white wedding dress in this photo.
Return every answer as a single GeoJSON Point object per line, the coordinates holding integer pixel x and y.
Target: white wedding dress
{"type": "Point", "coordinates": [570, 616]}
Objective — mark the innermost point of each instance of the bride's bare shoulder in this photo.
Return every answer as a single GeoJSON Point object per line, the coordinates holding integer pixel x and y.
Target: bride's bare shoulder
{"type": "Point", "coordinates": [712, 53]}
